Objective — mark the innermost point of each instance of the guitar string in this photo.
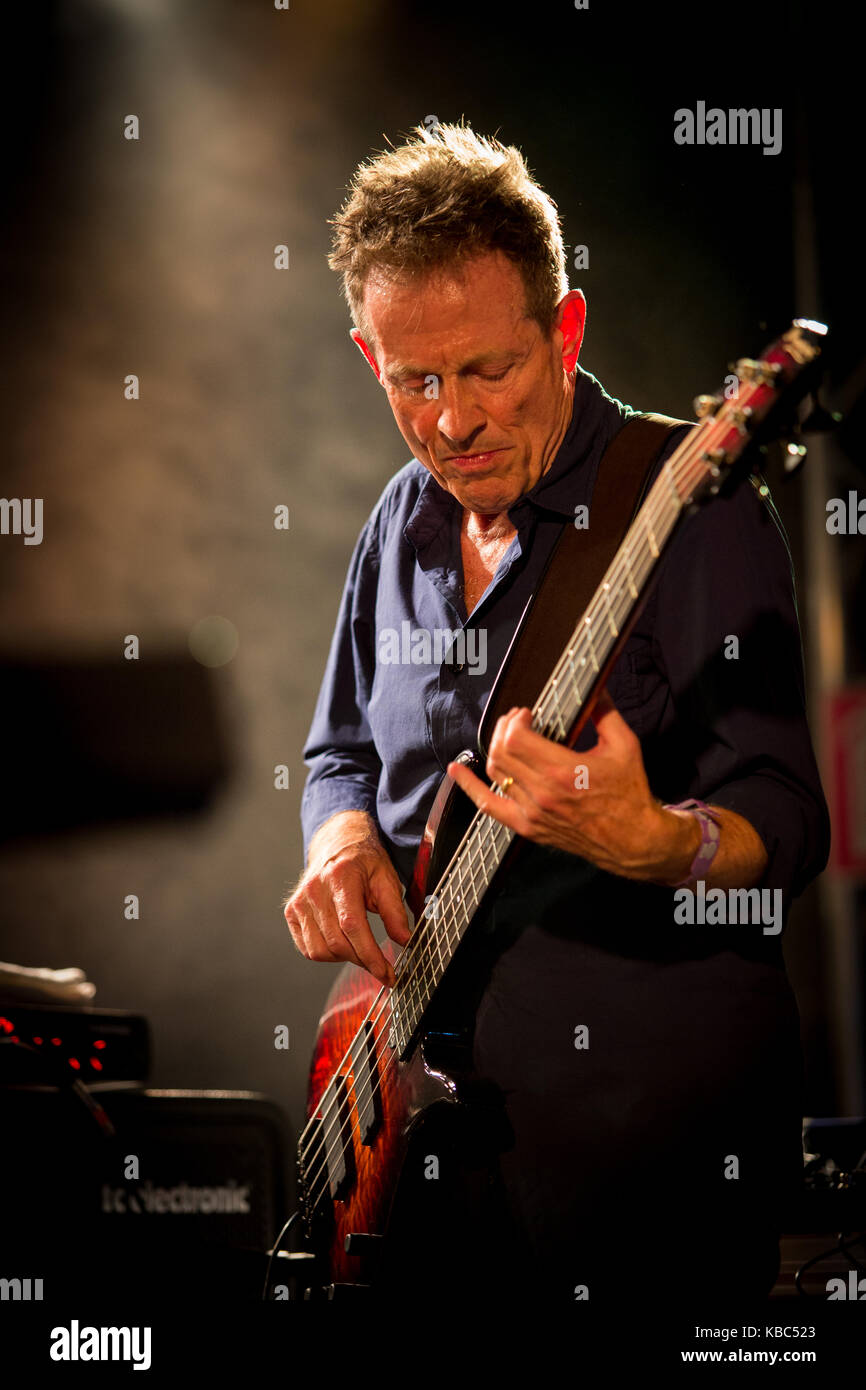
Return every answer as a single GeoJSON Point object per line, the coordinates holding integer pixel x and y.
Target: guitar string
{"type": "Point", "coordinates": [654, 512]}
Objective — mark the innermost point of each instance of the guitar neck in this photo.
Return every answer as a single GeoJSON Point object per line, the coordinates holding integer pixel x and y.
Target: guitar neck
{"type": "Point", "coordinates": [603, 627]}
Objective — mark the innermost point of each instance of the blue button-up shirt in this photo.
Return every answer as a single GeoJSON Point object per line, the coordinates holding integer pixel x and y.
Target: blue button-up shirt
{"type": "Point", "coordinates": [395, 706]}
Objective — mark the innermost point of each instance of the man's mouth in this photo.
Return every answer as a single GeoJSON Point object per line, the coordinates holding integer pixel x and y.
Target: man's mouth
{"type": "Point", "coordinates": [469, 462]}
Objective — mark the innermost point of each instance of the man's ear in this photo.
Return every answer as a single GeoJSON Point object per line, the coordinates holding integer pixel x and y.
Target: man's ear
{"type": "Point", "coordinates": [571, 320]}
{"type": "Point", "coordinates": [359, 342]}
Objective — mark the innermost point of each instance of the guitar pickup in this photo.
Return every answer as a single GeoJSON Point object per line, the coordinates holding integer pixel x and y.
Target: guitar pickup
{"type": "Point", "coordinates": [365, 1070]}
{"type": "Point", "coordinates": [336, 1123]}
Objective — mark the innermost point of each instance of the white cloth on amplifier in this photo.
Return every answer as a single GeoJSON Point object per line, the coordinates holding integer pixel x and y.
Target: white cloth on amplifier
{"type": "Point", "coordinates": [69, 986]}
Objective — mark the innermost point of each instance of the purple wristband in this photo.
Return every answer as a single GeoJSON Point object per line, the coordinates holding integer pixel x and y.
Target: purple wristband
{"type": "Point", "coordinates": [710, 836]}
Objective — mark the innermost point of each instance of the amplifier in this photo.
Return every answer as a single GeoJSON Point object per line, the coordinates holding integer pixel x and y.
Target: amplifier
{"type": "Point", "coordinates": [53, 1045]}
{"type": "Point", "coordinates": [182, 1200]}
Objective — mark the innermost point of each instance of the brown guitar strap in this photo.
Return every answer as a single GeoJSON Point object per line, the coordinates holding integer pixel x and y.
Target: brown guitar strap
{"type": "Point", "coordinates": [577, 566]}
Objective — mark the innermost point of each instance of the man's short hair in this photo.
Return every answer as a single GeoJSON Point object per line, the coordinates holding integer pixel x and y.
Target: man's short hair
{"type": "Point", "coordinates": [441, 198]}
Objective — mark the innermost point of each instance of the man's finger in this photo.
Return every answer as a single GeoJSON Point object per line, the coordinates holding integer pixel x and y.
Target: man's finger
{"type": "Point", "coordinates": [608, 721]}
{"type": "Point", "coordinates": [519, 751]}
{"type": "Point", "coordinates": [387, 901]}
{"type": "Point", "coordinates": [350, 911]}
{"type": "Point", "coordinates": [314, 945]}
{"type": "Point", "coordinates": [500, 808]}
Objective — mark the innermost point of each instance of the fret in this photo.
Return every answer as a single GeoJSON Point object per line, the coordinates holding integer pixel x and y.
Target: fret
{"type": "Point", "coordinates": [424, 962]}
{"type": "Point", "coordinates": [653, 543]}
{"type": "Point", "coordinates": [448, 917]}
{"type": "Point", "coordinates": [425, 948]}
{"type": "Point", "coordinates": [668, 471]}
{"type": "Point", "coordinates": [554, 690]}
{"type": "Point", "coordinates": [588, 630]}
{"type": "Point", "coordinates": [433, 919]}
{"type": "Point", "coordinates": [437, 970]}
{"type": "Point", "coordinates": [470, 884]}
{"type": "Point", "coordinates": [395, 1026]}
{"type": "Point", "coordinates": [632, 587]}
{"type": "Point", "coordinates": [573, 678]}
{"type": "Point", "coordinates": [613, 627]}
{"type": "Point", "coordinates": [488, 829]}
{"type": "Point", "coordinates": [457, 899]}
{"type": "Point", "coordinates": [475, 844]}
{"type": "Point", "coordinates": [403, 1014]}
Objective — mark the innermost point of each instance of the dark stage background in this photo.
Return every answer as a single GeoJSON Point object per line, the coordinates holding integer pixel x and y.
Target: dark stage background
{"type": "Point", "coordinates": [156, 257]}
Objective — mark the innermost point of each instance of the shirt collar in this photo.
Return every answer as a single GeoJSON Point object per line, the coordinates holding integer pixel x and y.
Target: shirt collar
{"type": "Point", "coordinates": [595, 419]}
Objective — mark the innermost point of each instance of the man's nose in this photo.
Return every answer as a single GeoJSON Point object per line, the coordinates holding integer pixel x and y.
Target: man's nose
{"type": "Point", "coordinates": [460, 417]}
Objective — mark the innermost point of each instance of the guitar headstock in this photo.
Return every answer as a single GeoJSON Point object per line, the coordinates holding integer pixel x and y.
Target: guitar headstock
{"type": "Point", "coordinates": [756, 405]}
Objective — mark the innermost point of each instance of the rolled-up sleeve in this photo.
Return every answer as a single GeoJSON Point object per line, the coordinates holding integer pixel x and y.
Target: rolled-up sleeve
{"type": "Point", "coordinates": [339, 750]}
{"type": "Point", "coordinates": [727, 636]}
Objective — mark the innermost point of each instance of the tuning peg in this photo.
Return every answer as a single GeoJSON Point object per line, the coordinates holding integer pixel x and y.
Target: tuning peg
{"type": "Point", "coordinates": [748, 369]}
{"type": "Point", "coordinates": [706, 405]}
{"type": "Point", "coordinates": [769, 372]}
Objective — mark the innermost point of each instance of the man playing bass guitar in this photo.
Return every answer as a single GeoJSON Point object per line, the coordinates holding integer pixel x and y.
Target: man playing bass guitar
{"type": "Point", "coordinates": [649, 1062]}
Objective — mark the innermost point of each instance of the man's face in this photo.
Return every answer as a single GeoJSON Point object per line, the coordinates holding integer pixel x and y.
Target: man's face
{"type": "Point", "coordinates": [480, 396]}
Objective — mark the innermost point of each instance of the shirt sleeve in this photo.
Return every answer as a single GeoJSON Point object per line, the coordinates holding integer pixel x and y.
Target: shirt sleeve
{"type": "Point", "coordinates": [727, 635]}
{"type": "Point", "coordinates": [339, 750]}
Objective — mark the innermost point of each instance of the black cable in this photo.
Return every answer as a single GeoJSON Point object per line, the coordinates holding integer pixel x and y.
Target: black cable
{"type": "Point", "coordinates": [841, 1248]}
{"type": "Point", "coordinates": [273, 1254]}
{"type": "Point", "coordinates": [847, 1253]}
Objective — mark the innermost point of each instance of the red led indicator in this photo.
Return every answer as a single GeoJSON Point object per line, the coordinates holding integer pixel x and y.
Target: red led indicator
{"type": "Point", "coordinates": [37, 1041]}
{"type": "Point", "coordinates": [96, 1064]}
{"type": "Point", "coordinates": [99, 1043]}
{"type": "Point", "coordinates": [6, 1025]}
{"type": "Point", "coordinates": [55, 1042]}
{"type": "Point", "coordinates": [74, 1062]}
